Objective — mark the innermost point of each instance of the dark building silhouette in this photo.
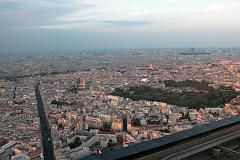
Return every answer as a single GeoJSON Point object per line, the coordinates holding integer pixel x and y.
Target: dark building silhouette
{"type": "Point", "coordinates": [124, 121]}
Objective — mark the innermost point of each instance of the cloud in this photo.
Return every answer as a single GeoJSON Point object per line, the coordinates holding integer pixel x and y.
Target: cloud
{"type": "Point", "coordinates": [109, 15]}
{"type": "Point", "coordinates": [29, 13]}
{"type": "Point", "coordinates": [126, 23]}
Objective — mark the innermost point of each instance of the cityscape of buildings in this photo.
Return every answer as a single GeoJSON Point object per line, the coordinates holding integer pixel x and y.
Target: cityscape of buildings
{"type": "Point", "coordinates": [85, 118]}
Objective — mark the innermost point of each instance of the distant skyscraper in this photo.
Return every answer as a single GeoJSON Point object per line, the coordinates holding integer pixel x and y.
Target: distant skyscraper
{"type": "Point", "coordinates": [192, 49]}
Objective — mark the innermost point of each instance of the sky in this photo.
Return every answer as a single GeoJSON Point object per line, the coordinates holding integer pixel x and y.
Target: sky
{"type": "Point", "coordinates": [51, 25]}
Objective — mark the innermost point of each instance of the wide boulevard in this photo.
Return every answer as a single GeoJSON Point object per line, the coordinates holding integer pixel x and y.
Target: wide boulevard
{"type": "Point", "coordinates": [47, 145]}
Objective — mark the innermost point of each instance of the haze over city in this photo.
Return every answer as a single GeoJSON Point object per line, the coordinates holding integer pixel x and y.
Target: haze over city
{"type": "Point", "coordinates": [67, 25]}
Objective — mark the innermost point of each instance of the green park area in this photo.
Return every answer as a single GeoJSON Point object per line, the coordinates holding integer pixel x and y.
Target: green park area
{"type": "Point", "coordinates": [192, 94]}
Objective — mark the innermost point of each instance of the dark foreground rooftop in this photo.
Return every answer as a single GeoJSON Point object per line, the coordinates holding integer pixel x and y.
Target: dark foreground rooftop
{"type": "Point", "coordinates": [163, 143]}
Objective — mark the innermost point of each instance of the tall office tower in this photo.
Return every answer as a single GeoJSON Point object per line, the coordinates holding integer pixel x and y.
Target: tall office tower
{"type": "Point", "coordinates": [192, 50]}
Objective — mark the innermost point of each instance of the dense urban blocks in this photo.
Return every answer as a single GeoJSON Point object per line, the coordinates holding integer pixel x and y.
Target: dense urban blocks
{"type": "Point", "coordinates": [84, 119]}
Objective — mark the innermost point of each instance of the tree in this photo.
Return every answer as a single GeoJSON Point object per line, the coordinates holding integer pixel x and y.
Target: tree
{"type": "Point", "coordinates": [107, 127]}
{"type": "Point", "coordinates": [186, 116]}
{"type": "Point", "coordinates": [60, 126]}
{"type": "Point", "coordinates": [77, 142]}
{"type": "Point", "coordinates": [136, 122]}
